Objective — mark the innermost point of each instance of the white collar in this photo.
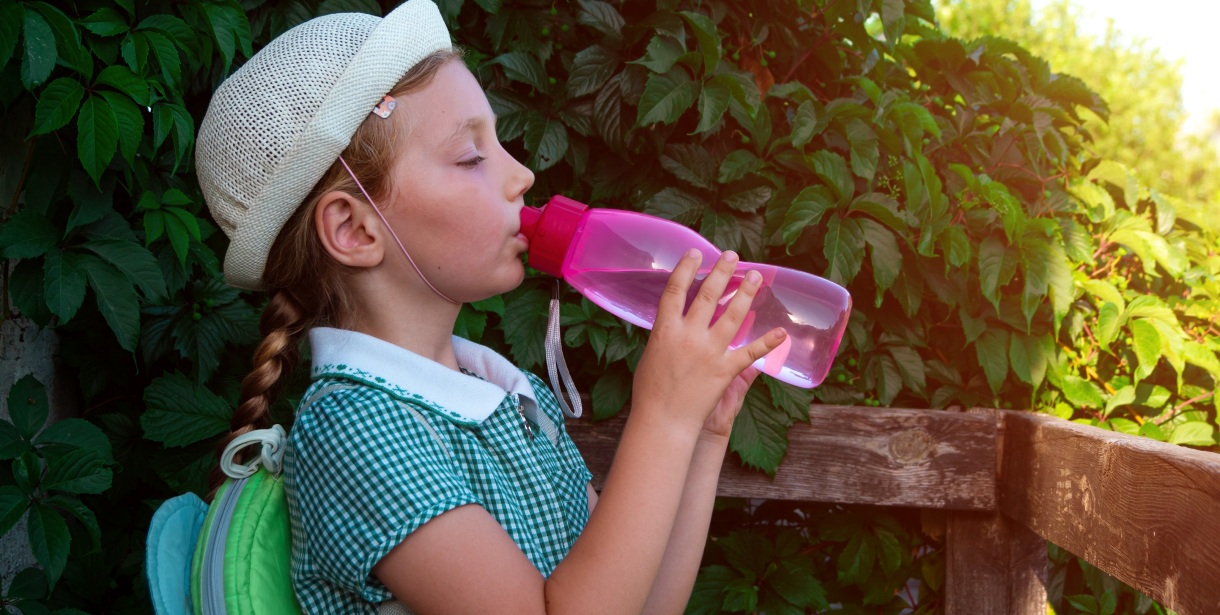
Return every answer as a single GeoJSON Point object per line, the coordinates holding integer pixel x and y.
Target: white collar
{"type": "Point", "coordinates": [409, 376]}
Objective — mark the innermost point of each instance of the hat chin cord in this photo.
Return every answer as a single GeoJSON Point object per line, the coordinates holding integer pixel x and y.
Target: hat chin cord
{"type": "Point", "coordinates": [395, 235]}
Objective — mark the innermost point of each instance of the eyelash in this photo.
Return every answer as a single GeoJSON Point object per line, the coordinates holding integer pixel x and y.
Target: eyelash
{"type": "Point", "coordinates": [472, 163]}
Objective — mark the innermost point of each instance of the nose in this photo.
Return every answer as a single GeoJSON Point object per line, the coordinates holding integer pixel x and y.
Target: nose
{"type": "Point", "coordinates": [520, 180]}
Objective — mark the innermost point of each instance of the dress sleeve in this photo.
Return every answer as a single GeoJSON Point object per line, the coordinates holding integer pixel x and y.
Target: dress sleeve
{"type": "Point", "coordinates": [365, 473]}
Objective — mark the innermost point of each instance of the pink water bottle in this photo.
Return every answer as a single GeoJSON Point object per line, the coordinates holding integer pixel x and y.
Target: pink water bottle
{"type": "Point", "coordinates": [621, 260]}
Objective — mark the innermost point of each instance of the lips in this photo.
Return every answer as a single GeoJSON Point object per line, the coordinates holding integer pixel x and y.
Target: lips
{"type": "Point", "coordinates": [523, 239]}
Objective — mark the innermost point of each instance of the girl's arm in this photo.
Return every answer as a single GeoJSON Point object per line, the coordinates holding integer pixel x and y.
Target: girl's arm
{"type": "Point", "coordinates": [462, 561]}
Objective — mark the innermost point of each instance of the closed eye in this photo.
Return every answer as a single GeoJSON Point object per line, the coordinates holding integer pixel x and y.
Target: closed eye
{"type": "Point", "coordinates": [471, 163]}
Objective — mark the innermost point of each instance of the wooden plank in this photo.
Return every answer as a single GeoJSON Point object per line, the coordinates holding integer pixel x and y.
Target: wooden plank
{"type": "Point", "coordinates": [992, 563]}
{"type": "Point", "coordinates": [856, 455]}
{"type": "Point", "coordinates": [1146, 512]}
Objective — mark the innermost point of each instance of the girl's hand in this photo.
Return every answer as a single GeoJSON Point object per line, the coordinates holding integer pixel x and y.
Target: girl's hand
{"type": "Point", "coordinates": [720, 423]}
{"type": "Point", "coordinates": [687, 365]}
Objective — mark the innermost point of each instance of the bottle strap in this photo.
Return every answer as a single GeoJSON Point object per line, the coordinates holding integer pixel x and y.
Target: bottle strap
{"type": "Point", "coordinates": [556, 365]}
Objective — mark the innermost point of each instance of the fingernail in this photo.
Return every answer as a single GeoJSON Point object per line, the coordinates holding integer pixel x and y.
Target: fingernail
{"type": "Point", "coordinates": [754, 277]}
{"type": "Point", "coordinates": [730, 256]}
{"type": "Point", "coordinates": [778, 334]}
{"type": "Point", "coordinates": [694, 253]}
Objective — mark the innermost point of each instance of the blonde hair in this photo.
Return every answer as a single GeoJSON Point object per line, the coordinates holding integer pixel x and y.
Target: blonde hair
{"type": "Point", "coordinates": [305, 284]}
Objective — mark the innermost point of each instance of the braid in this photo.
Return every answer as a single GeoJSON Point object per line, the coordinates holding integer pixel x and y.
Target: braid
{"type": "Point", "coordinates": [275, 358]}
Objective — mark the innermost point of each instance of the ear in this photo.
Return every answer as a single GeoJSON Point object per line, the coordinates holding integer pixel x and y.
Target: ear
{"type": "Point", "coordinates": [349, 230]}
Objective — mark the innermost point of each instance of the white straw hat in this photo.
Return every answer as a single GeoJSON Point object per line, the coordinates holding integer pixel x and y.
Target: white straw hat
{"type": "Point", "coordinates": [276, 125]}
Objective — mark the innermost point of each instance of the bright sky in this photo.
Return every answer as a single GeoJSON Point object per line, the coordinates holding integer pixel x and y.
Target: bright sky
{"type": "Point", "coordinates": [1182, 29]}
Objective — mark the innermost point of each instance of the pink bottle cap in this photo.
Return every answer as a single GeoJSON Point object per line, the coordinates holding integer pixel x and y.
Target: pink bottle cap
{"type": "Point", "coordinates": [550, 229]}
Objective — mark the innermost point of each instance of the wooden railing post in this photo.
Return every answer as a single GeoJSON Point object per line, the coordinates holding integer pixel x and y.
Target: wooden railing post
{"type": "Point", "coordinates": [993, 565]}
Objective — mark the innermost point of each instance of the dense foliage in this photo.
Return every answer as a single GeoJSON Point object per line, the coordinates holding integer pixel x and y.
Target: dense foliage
{"type": "Point", "coordinates": [1146, 128]}
{"type": "Point", "coordinates": [993, 258]}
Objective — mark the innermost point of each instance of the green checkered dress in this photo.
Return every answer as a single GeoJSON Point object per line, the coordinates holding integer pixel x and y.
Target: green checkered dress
{"type": "Point", "coordinates": [386, 440]}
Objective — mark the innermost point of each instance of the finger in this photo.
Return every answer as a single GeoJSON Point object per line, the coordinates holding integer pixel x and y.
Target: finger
{"type": "Point", "coordinates": [673, 299]}
{"type": "Point", "coordinates": [752, 352]}
{"type": "Point", "coordinates": [729, 323]}
{"type": "Point", "coordinates": [706, 301]}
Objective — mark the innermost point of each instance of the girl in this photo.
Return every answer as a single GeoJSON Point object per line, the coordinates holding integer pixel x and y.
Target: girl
{"type": "Point", "coordinates": [354, 165]}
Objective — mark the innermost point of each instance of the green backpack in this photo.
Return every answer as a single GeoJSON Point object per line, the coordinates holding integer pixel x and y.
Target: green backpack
{"type": "Point", "coordinates": [233, 557]}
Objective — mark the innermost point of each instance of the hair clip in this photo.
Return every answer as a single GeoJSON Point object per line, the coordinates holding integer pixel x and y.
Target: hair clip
{"type": "Point", "coordinates": [386, 107]}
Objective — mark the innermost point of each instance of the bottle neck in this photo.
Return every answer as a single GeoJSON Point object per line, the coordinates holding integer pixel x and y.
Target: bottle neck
{"type": "Point", "coordinates": [550, 231]}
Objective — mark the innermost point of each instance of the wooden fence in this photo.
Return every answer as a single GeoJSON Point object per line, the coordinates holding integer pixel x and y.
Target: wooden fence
{"type": "Point", "coordinates": [1146, 512]}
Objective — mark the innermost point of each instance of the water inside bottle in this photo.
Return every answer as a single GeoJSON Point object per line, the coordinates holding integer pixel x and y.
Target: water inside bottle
{"type": "Point", "coordinates": [790, 299]}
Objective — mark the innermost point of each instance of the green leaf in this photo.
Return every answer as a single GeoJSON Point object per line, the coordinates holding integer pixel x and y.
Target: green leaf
{"type": "Point", "coordinates": [708, 38]}
{"type": "Point", "coordinates": [992, 269]}
{"type": "Point", "coordinates": [992, 351]}
{"type": "Point", "coordinates": [180, 411]}
{"type": "Point", "coordinates": [749, 201]}
{"type": "Point", "coordinates": [601, 16]}
{"type": "Point", "coordinates": [760, 434]}
{"type": "Point", "coordinates": [661, 54]}
{"type": "Point", "coordinates": [547, 141]}
{"type": "Point", "coordinates": [832, 169]}
{"type": "Point", "coordinates": [707, 595]}
{"type": "Point", "coordinates": [591, 68]}
{"type": "Point", "coordinates": [890, 551]}
{"type": "Point", "coordinates": [122, 79]}
{"type": "Point", "coordinates": [888, 380]}
{"type": "Point", "coordinates": [674, 204]}
{"type": "Point", "coordinates": [857, 559]}
{"type": "Point", "coordinates": [611, 392]}
{"type": "Point", "coordinates": [116, 300]}
{"type": "Point", "coordinates": [105, 22]}
{"type": "Point", "coordinates": [807, 123]}
{"type": "Point", "coordinates": [136, 262]}
{"type": "Point", "coordinates": [844, 249]}
{"type": "Point", "coordinates": [1148, 347]}
{"type": "Point", "coordinates": [885, 209]}
{"type": "Point", "coordinates": [748, 552]}
{"type": "Point", "coordinates": [13, 504]}
{"type": "Point", "coordinates": [1122, 397]}
{"type": "Point", "coordinates": [957, 246]}
{"type": "Point", "coordinates": [29, 584]}
{"type": "Point", "coordinates": [12, 443]}
{"type": "Point", "coordinates": [893, 20]}
{"type": "Point", "coordinates": [796, 580]}
{"type": "Point", "coordinates": [524, 323]}
{"type": "Point", "coordinates": [130, 122]}
{"type": "Point", "coordinates": [40, 54]}
{"type": "Point", "coordinates": [167, 57]}
{"type": "Point", "coordinates": [67, 39]}
{"type": "Point", "coordinates": [1081, 392]}
{"type": "Point", "coordinates": [864, 151]}
{"type": "Point", "coordinates": [795, 401]}
{"type": "Point", "coordinates": [64, 279]}
{"type": "Point", "coordinates": [77, 433]}
{"type": "Point", "coordinates": [49, 540]}
{"type": "Point", "coordinates": [57, 104]}
{"type": "Point", "coordinates": [523, 67]}
{"type": "Point", "coordinates": [691, 163]}
{"type": "Point", "coordinates": [27, 234]}
{"type": "Point", "coordinates": [737, 164]}
{"type": "Point", "coordinates": [911, 366]}
{"type": "Point", "coordinates": [1193, 433]}
{"type": "Point", "coordinates": [666, 97]}
{"type": "Point", "coordinates": [722, 229]}
{"type": "Point", "coordinates": [97, 136]}
{"type": "Point", "coordinates": [77, 471]}
{"type": "Point", "coordinates": [27, 405]}
{"type": "Point", "coordinates": [885, 256]}
{"type": "Point", "coordinates": [1109, 322]}
{"type": "Point", "coordinates": [806, 211]}
{"type": "Point", "coordinates": [713, 102]}
{"type": "Point", "coordinates": [12, 17]}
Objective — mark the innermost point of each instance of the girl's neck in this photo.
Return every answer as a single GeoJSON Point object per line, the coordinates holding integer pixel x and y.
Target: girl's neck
{"type": "Point", "coordinates": [421, 322]}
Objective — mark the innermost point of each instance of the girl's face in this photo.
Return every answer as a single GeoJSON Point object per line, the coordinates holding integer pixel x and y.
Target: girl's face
{"type": "Point", "coordinates": [457, 193]}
